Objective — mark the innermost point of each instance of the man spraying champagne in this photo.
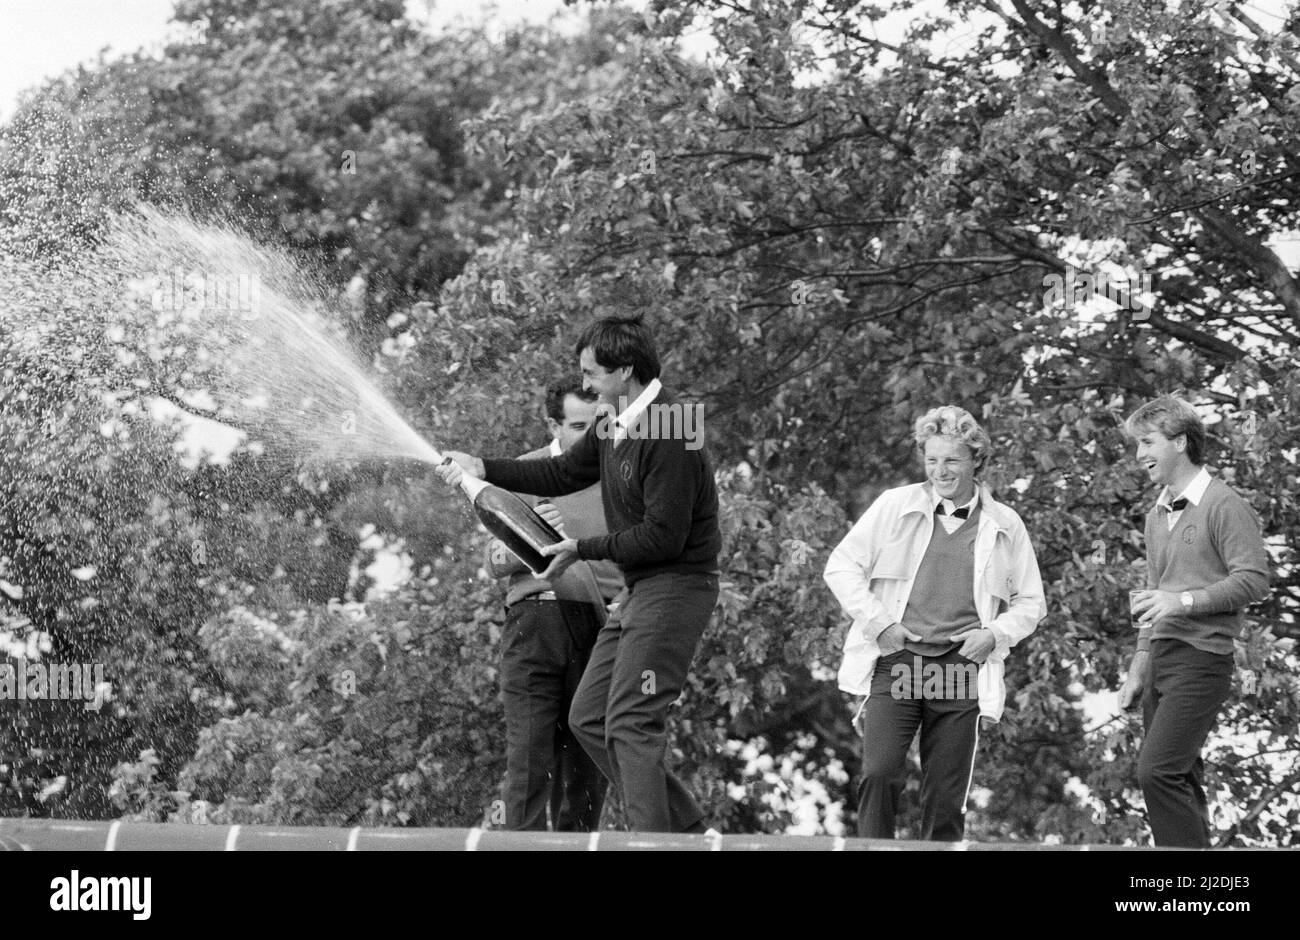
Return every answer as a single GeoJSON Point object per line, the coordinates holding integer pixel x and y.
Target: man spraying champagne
{"type": "Point", "coordinates": [661, 510]}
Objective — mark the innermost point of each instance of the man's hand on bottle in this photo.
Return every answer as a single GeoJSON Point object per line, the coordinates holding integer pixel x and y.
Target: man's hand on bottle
{"type": "Point", "coordinates": [551, 514]}
{"type": "Point", "coordinates": [565, 552]}
{"type": "Point", "coordinates": [456, 465]}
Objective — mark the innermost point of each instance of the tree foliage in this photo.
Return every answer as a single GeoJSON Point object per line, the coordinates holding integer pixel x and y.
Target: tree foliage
{"type": "Point", "coordinates": [828, 234]}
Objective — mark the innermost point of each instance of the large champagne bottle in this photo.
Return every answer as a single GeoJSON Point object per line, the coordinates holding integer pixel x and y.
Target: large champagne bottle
{"type": "Point", "coordinates": [513, 521]}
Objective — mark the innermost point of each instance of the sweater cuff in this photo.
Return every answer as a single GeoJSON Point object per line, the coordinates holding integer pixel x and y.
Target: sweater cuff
{"type": "Point", "coordinates": [595, 548]}
{"type": "Point", "coordinates": [1144, 640]}
{"type": "Point", "coordinates": [1200, 602]}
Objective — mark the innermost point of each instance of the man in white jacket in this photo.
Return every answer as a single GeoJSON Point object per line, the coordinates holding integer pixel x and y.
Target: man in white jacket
{"type": "Point", "coordinates": [941, 581]}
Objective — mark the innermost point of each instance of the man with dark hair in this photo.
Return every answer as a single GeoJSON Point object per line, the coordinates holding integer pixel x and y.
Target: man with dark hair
{"type": "Point", "coordinates": [1205, 562]}
{"type": "Point", "coordinates": [661, 508]}
{"type": "Point", "coordinates": [549, 632]}
{"type": "Point", "coordinates": [615, 343]}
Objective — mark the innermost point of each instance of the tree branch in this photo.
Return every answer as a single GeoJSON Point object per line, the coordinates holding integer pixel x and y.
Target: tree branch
{"type": "Point", "coordinates": [1262, 804]}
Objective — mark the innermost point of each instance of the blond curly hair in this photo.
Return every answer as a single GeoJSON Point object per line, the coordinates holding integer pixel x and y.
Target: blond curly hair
{"type": "Point", "coordinates": [958, 424]}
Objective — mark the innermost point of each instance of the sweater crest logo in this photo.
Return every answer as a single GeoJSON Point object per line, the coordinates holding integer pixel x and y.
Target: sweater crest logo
{"type": "Point", "coordinates": [625, 469]}
{"type": "Point", "coordinates": [1189, 535]}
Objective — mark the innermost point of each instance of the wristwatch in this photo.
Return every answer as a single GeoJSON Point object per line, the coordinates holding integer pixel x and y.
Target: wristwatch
{"type": "Point", "coordinates": [1186, 598]}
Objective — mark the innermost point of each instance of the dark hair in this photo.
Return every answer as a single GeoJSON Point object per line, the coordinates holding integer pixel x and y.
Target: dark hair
{"type": "Point", "coordinates": [1171, 417]}
{"type": "Point", "coordinates": [622, 341]}
{"type": "Point", "coordinates": [555, 395]}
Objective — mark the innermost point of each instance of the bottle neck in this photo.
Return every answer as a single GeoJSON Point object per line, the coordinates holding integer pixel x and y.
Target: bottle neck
{"type": "Point", "coordinates": [473, 486]}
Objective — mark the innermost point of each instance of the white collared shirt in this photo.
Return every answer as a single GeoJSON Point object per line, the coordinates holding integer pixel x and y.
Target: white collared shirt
{"type": "Point", "coordinates": [950, 522]}
{"type": "Point", "coordinates": [1192, 493]}
{"type": "Point", "coordinates": [556, 449]}
{"type": "Point", "coordinates": [634, 411]}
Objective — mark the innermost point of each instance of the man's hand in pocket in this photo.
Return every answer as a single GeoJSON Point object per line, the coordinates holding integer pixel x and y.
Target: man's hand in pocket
{"type": "Point", "coordinates": [893, 637]}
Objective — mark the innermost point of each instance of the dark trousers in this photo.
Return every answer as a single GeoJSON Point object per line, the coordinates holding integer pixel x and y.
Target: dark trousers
{"type": "Point", "coordinates": [1184, 692]}
{"type": "Point", "coordinates": [948, 717]}
{"type": "Point", "coordinates": [544, 649]}
{"type": "Point", "coordinates": [637, 670]}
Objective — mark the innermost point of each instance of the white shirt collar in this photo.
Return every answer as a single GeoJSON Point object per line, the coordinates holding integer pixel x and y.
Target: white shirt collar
{"type": "Point", "coordinates": [1193, 491]}
{"type": "Point", "coordinates": [949, 507]}
{"type": "Point", "coordinates": [556, 449]}
{"type": "Point", "coordinates": [636, 409]}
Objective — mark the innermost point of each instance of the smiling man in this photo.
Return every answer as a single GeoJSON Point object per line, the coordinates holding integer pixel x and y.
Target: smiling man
{"type": "Point", "coordinates": [939, 578]}
{"type": "Point", "coordinates": [661, 510]}
{"type": "Point", "coordinates": [1205, 562]}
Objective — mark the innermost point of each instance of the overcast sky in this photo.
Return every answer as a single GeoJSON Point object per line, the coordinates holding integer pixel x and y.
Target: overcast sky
{"type": "Point", "coordinates": [40, 39]}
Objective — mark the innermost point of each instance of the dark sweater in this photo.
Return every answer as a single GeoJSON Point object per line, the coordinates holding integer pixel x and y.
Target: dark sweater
{"type": "Point", "coordinates": [660, 501]}
{"type": "Point", "coordinates": [942, 601]}
{"type": "Point", "coordinates": [1217, 553]}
